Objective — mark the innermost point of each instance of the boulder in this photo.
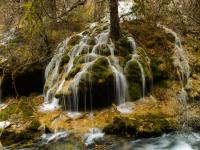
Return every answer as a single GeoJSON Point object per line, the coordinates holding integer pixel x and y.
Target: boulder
{"type": "Point", "coordinates": [141, 126]}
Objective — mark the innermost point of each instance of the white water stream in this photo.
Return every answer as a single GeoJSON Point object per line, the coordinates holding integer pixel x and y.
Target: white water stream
{"type": "Point", "coordinates": [52, 72]}
{"type": "Point", "coordinates": [55, 84]}
{"type": "Point", "coordinates": [181, 63]}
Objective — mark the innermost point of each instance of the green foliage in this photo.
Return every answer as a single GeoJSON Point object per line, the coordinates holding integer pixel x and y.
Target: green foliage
{"type": "Point", "coordinates": [33, 16]}
{"type": "Point", "coordinates": [24, 108]}
{"type": "Point", "coordinates": [6, 113]}
{"type": "Point", "coordinates": [35, 21]}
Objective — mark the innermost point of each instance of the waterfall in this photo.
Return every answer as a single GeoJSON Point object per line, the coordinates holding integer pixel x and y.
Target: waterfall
{"type": "Point", "coordinates": [55, 81]}
{"type": "Point", "coordinates": [51, 77]}
{"type": "Point", "coordinates": [180, 62]}
{"type": "Point", "coordinates": [103, 48]}
{"type": "Point", "coordinates": [94, 135]}
{"type": "Point", "coordinates": [119, 82]}
{"type": "Point", "coordinates": [75, 52]}
{"type": "Point", "coordinates": [52, 73]}
{"type": "Point", "coordinates": [136, 58]}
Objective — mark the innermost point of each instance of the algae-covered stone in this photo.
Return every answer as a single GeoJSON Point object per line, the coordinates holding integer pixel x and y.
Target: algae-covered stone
{"type": "Point", "coordinates": [103, 49]}
{"type": "Point", "coordinates": [123, 47]}
{"type": "Point", "coordinates": [100, 71]}
{"type": "Point", "coordinates": [134, 78]}
{"type": "Point", "coordinates": [74, 71]}
{"type": "Point", "coordinates": [91, 41]}
{"type": "Point", "coordinates": [142, 126]}
{"type": "Point", "coordinates": [86, 49]}
{"type": "Point", "coordinates": [135, 91]}
{"type": "Point", "coordinates": [95, 85]}
{"type": "Point", "coordinates": [84, 58]}
{"type": "Point", "coordinates": [25, 134]}
{"type": "Point", "coordinates": [160, 70]}
{"type": "Point", "coordinates": [74, 40]}
{"type": "Point", "coordinates": [64, 60]}
{"type": "Point", "coordinates": [24, 126]}
{"type": "Point", "coordinates": [132, 72]}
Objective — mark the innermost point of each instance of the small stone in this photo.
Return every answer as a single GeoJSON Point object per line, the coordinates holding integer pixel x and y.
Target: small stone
{"type": "Point", "coordinates": [4, 124]}
{"type": "Point", "coordinates": [194, 76]}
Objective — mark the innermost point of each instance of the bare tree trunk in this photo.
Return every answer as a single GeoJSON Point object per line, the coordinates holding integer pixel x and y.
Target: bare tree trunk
{"type": "Point", "coordinates": [114, 20]}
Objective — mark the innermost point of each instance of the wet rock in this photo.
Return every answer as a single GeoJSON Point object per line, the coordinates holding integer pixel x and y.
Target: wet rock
{"type": "Point", "coordinates": [74, 40]}
{"type": "Point", "coordinates": [142, 126]}
{"type": "Point", "coordinates": [91, 41]}
{"type": "Point", "coordinates": [103, 49]}
{"type": "Point", "coordinates": [26, 133]}
{"type": "Point", "coordinates": [4, 124]}
{"type": "Point", "coordinates": [101, 78]}
{"type": "Point", "coordinates": [95, 136]}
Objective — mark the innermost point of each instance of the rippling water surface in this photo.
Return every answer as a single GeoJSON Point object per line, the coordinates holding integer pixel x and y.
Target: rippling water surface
{"type": "Point", "coordinates": [173, 141]}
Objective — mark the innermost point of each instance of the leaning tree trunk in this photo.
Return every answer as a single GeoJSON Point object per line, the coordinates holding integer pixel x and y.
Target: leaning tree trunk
{"type": "Point", "coordinates": [114, 20]}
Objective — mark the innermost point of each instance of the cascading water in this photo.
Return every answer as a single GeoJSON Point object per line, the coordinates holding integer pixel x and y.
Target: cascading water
{"type": "Point", "coordinates": [55, 81]}
{"type": "Point", "coordinates": [180, 57]}
{"type": "Point", "coordinates": [51, 76]}
{"type": "Point", "coordinates": [94, 135]}
{"type": "Point", "coordinates": [52, 73]}
{"type": "Point", "coordinates": [180, 61]}
{"type": "Point", "coordinates": [136, 58]}
{"type": "Point", "coordinates": [120, 80]}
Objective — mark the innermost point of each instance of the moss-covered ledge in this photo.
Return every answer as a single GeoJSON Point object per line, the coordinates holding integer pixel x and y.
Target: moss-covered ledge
{"type": "Point", "coordinates": [141, 126]}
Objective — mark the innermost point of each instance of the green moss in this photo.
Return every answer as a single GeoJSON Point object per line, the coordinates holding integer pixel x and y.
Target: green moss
{"type": "Point", "coordinates": [35, 124]}
{"type": "Point", "coordinates": [25, 107]}
{"type": "Point", "coordinates": [81, 59]}
{"type": "Point", "coordinates": [99, 73]}
{"type": "Point", "coordinates": [101, 62]}
{"type": "Point", "coordinates": [123, 47]}
{"type": "Point", "coordinates": [143, 126]}
{"type": "Point", "coordinates": [103, 49]}
{"type": "Point", "coordinates": [74, 40]}
{"type": "Point", "coordinates": [64, 60]}
{"type": "Point", "coordinates": [134, 78]}
{"type": "Point", "coordinates": [7, 112]}
{"type": "Point", "coordinates": [100, 70]}
{"type": "Point", "coordinates": [133, 73]}
{"type": "Point", "coordinates": [123, 60]}
{"type": "Point", "coordinates": [74, 71]}
{"type": "Point", "coordinates": [135, 91]}
{"type": "Point", "coordinates": [158, 72]}
{"type": "Point", "coordinates": [86, 49]}
{"type": "Point", "coordinates": [91, 41]}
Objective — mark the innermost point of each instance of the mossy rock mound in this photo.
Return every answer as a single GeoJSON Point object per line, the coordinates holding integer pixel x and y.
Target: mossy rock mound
{"type": "Point", "coordinates": [157, 44]}
{"type": "Point", "coordinates": [82, 59]}
{"type": "Point", "coordinates": [28, 134]}
{"type": "Point", "coordinates": [123, 47]}
{"type": "Point", "coordinates": [134, 77]}
{"type": "Point", "coordinates": [141, 126]}
{"type": "Point", "coordinates": [96, 84]}
{"type": "Point", "coordinates": [103, 49]}
{"type": "Point", "coordinates": [25, 127]}
{"type": "Point", "coordinates": [65, 59]}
